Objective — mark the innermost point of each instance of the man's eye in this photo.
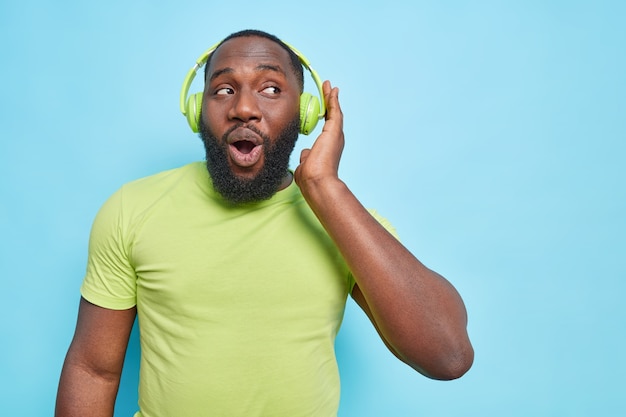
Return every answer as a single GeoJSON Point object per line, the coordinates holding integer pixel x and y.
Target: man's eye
{"type": "Point", "coordinates": [271, 90]}
{"type": "Point", "coordinates": [224, 91]}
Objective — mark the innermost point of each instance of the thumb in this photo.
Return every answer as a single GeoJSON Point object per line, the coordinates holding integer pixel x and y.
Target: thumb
{"type": "Point", "coordinates": [304, 154]}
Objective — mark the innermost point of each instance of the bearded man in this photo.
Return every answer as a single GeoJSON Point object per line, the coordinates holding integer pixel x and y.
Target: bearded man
{"type": "Point", "coordinates": [239, 269]}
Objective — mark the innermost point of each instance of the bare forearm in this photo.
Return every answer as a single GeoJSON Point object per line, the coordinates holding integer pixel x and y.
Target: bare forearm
{"type": "Point", "coordinates": [418, 313]}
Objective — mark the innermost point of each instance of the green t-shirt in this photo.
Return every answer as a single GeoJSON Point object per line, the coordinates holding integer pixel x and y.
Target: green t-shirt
{"type": "Point", "coordinates": [238, 307]}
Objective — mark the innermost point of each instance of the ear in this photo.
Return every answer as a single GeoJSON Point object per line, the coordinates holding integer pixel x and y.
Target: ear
{"type": "Point", "coordinates": [193, 111]}
{"type": "Point", "coordinates": [309, 112]}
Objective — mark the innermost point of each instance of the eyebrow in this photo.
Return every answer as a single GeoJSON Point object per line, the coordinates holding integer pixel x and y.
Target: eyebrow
{"type": "Point", "coordinates": [259, 68]}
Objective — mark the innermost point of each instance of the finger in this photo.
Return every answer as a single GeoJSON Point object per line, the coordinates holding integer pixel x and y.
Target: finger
{"type": "Point", "coordinates": [304, 154]}
{"type": "Point", "coordinates": [326, 87]}
{"type": "Point", "coordinates": [327, 90]}
{"type": "Point", "coordinates": [334, 115]}
{"type": "Point", "coordinates": [330, 95]}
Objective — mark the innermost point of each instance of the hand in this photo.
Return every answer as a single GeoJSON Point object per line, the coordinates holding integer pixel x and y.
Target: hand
{"type": "Point", "coordinates": [321, 163]}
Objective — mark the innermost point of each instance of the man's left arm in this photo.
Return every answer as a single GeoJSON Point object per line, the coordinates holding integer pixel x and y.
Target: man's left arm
{"type": "Point", "coordinates": [418, 313]}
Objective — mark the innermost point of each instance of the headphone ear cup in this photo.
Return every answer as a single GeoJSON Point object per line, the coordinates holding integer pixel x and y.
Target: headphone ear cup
{"type": "Point", "coordinates": [193, 111]}
{"type": "Point", "coordinates": [309, 112]}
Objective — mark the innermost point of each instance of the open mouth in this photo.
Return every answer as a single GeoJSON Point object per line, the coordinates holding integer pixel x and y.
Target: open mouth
{"type": "Point", "coordinates": [244, 146]}
{"type": "Point", "coordinates": [245, 153]}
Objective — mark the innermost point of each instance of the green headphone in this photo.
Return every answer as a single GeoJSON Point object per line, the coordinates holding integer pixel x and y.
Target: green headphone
{"type": "Point", "coordinates": [312, 109]}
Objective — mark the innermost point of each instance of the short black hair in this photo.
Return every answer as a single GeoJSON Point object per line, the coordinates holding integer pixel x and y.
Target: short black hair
{"type": "Point", "coordinates": [296, 65]}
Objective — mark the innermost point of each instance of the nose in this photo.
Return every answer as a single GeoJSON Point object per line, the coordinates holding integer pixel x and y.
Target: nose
{"type": "Point", "coordinates": [245, 107]}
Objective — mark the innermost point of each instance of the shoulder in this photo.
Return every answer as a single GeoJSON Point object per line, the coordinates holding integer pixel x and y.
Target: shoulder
{"type": "Point", "coordinates": [165, 180]}
{"type": "Point", "coordinates": [384, 222]}
{"type": "Point", "coordinates": [147, 190]}
{"type": "Point", "coordinates": [138, 196]}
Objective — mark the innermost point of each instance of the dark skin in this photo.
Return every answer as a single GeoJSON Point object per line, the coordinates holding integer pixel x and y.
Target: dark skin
{"type": "Point", "coordinates": [93, 366]}
{"type": "Point", "coordinates": [251, 85]}
{"type": "Point", "coordinates": [418, 314]}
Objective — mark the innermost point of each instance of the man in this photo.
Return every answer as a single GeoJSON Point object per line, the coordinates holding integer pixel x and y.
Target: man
{"type": "Point", "coordinates": [239, 270]}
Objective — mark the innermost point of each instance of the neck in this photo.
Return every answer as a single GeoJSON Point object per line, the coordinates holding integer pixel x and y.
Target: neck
{"type": "Point", "coordinates": [286, 181]}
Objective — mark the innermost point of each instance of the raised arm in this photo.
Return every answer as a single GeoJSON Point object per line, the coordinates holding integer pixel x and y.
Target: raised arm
{"type": "Point", "coordinates": [93, 365]}
{"type": "Point", "coordinates": [418, 314]}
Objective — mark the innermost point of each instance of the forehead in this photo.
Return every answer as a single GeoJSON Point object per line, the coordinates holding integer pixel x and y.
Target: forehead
{"type": "Point", "coordinates": [248, 52]}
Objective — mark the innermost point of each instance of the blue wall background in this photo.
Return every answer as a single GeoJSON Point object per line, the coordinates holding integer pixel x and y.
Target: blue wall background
{"type": "Point", "coordinates": [492, 134]}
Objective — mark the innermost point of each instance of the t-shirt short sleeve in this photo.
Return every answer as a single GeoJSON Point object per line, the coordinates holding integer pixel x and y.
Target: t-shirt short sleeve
{"type": "Point", "coordinates": [384, 222]}
{"type": "Point", "coordinates": [110, 280]}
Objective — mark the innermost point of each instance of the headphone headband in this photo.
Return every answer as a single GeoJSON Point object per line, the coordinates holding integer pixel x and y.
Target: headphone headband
{"type": "Point", "coordinates": [192, 74]}
{"type": "Point", "coordinates": [201, 61]}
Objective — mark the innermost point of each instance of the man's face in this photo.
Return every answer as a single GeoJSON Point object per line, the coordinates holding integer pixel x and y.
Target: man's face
{"type": "Point", "coordinates": [250, 117]}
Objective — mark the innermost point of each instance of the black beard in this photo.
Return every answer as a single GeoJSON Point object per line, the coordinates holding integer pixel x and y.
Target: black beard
{"type": "Point", "coordinates": [239, 190]}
